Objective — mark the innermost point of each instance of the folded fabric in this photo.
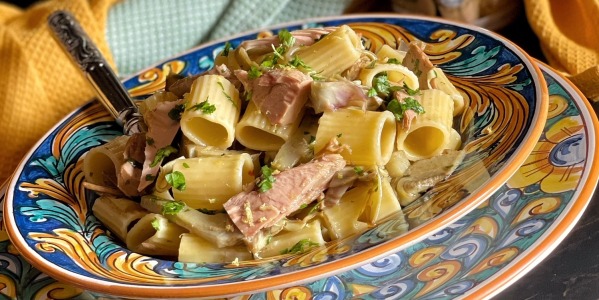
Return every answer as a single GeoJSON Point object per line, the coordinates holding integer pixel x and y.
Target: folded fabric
{"type": "Point", "coordinates": [569, 35]}
{"type": "Point", "coordinates": [38, 83]}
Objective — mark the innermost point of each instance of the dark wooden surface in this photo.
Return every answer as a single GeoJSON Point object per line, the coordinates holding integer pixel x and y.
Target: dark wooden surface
{"type": "Point", "coordinates": [571, 271]}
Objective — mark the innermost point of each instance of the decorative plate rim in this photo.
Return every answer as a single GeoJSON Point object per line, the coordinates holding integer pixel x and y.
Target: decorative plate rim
{"type": "Point", "coordinates": [550, 240]}
{"type": "Point", "coordinates": [323, 270]}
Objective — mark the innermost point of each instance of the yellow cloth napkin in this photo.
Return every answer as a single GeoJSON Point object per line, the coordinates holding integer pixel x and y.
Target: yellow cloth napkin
{"type": "Point", "coordinates": [39, 85]}
{"type": "Point", "coordinates": [568, 31]}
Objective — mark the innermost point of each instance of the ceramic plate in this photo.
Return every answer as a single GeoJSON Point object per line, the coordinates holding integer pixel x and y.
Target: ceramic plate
{"type": "Point", "coordinates": [478, 255]}
{"type": "Point", "coordinates": [47, 210]}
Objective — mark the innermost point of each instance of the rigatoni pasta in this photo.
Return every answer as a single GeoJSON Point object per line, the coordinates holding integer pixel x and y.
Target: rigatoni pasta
{"type": "Point", "coordinates": [430, 133]}
{"type": "Point", "coordinates": [212, 112]}
{"type": "Point", "coordinates": [368, 135]}
{"type": "Point", "coordinates": [256, 132]}
{"type": "Point", "coordinates": [216, 179]}
{"type": "Point", "coordinates": [290, 142]}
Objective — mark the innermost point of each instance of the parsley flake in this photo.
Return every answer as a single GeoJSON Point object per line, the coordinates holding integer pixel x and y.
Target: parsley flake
{"type": "Point", "coordinates": [161, 154]}
{"type": "Point", "coordinates": [267, 179]}
{"type": "Point", "coordinates": [226, 95]}
{"type": "Point", "coordinates": [205, 107]}
{"type": "Point", "coordinates": [227, 49]}
{"type": "Point", "coordinates": [399, 108]}
{"type": "Point", "coordinates": [172, 207]}
{"type": "Point", "coordinates": [393, 60]}
{"type": "Point", "coordinates": [359, 170]}
{"type": "Point", "coordinates": [254, 72]}
{"type": "Point", "coordinates": [300, 247]}
{"type": "Point", "coordinates": [156, 224]}
{"type": "Point", "coordinates": [299, 63]}
{"type": "Point", "coordinates": [176, 179]}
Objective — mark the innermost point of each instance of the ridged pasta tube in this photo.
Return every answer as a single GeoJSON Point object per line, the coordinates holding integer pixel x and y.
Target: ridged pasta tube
{"type": "Point", "coordinates": [395, 73]}
{"type": "Point", "coordinates": [155, 235]}
{"type": "Point", "coordinates": [194, 249]}
{"type": "Point", "coordinates": [215, 228]}
{"type": "Point", "coordinates": [216, 128]}
{"type": "Point", "coordinates": [212, 180]}
{"type": "Point", "coordinates": [429, 134]}
{"type": "Point", "coordinates": [398, 164]}
{"type": "Point", "coordinates": [441, 82]}
{"type": "Point", "coordinates": [387, 52]}
{"type": "Point", "coordinates": [310, 234]}
{"type": "Point", "coordinates": [102, 163]}
{"type": "Point", "coordinates": [334, 53]}
{"type": "Point", "coordinates": [255, 131]}
{"type": "Point", "coordinates": [342, 220]}
{"type": "Point", "coordinates": [370, 135]}
{"type": "Point", "coordinates": [117, 214]}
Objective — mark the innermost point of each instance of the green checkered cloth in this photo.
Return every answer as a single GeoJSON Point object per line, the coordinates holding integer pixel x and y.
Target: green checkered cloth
{"type": "Point", "coordinates": [142, 32]}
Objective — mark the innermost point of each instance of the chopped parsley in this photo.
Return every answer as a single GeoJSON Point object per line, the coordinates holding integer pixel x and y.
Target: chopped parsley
{"type": "Point", "coordinates": [286, 38]}
{"type": "Point", "coordinates": [161, 154]}
{"type": "Point", "coordinates": [205, 107]}
{"type": "Point", "coordinates": [300, 247]}
{"type": "Point", "coordinates": [410, 91]}
{"type": "Point", "coordinates": [226, 95]}
{"type": "Point", "coordinates": [359, 170]}
{"type": "Point", "coordinates": [156, 224]}
{"type": "Point", "coordinates": [393, 61]}
{"type": "Point", "coordinates": [371, 92]}
{"type": "Point", "coordinates": [176, 112]}
{"type": "Point", "coordinates": [254, 72]}
{"type": "Point", "coordinates": [398, 108]}
{"type": "Point", "coordinates": [176, 179]}
{"type": "Point", "coordinates": [149, 141]}
{"type": "Point", "coordinates": [299, 63]}
{"type": "Point", "coordinates": [172, 207]}
{"type": "Point", "coordinates": [381, 84]}
{"type": "Point", "coordinates": [267, 179]}
{"type": "Point", "coordinates": [227, 49]}
{"type": "Point", "coordinates": [339, 135]}
{"type": "Point", "coordinates": [150, 177]}
{"type": "Point", "coordinates": [185, 165]}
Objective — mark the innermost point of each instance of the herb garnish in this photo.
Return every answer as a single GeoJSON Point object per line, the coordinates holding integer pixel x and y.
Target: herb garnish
{"type": "Point", "coordinates": [267, 179]}
{"type": "Point", "coordinates": [359, 170]}
{"type": "Point", "coordinates": [227, 49]}
{"type": "Point", "coordinates": [205, 107]}
{"type": "Point", "coordinates": [172, 207]}
{"type": "Point", "coordinates": [393, 60]}
{"type": "Point", "coordinates": [161, 154]}
{"type": "Point", "coordinates": [254, 72]}
{"type": "Point", "coordinates": [398, 108]}
{"type": "Point", "coordinates": [300, 247]}
{"type": "Point", "coordinates": [226, 95]}
{"type": "Point", "coordinates": [156, 224]}
{"type": "Point", "coordinates": [176, 179]}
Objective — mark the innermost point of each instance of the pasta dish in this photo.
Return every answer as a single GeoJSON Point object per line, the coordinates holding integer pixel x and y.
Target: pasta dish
{"type": "Point", "coordinates": [291, 141]}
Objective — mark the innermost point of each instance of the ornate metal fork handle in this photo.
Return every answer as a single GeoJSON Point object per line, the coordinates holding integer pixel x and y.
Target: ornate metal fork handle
{"type": "Point", "coordinates": [84, 53]}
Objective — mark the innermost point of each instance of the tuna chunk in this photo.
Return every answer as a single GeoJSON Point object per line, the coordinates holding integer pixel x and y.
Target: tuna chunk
{"type": "Point", "coordinates": [331, 95]}
{"type": "Point", "coordinates": [280, 94]}
{"type": "Point", "coordinates": [253, 211]}
{"type": "Point", "coordinates": [417, 61]}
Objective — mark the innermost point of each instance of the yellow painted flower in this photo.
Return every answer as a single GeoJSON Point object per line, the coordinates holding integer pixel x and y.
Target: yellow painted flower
{"type": "Point", "coordinates": [557, 161]}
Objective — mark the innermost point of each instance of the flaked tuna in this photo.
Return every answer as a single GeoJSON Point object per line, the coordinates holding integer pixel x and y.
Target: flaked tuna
{"type": "Point", "coordinates": [280, 94]}
{"type": "Point", "coordinates": [252, 211]}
